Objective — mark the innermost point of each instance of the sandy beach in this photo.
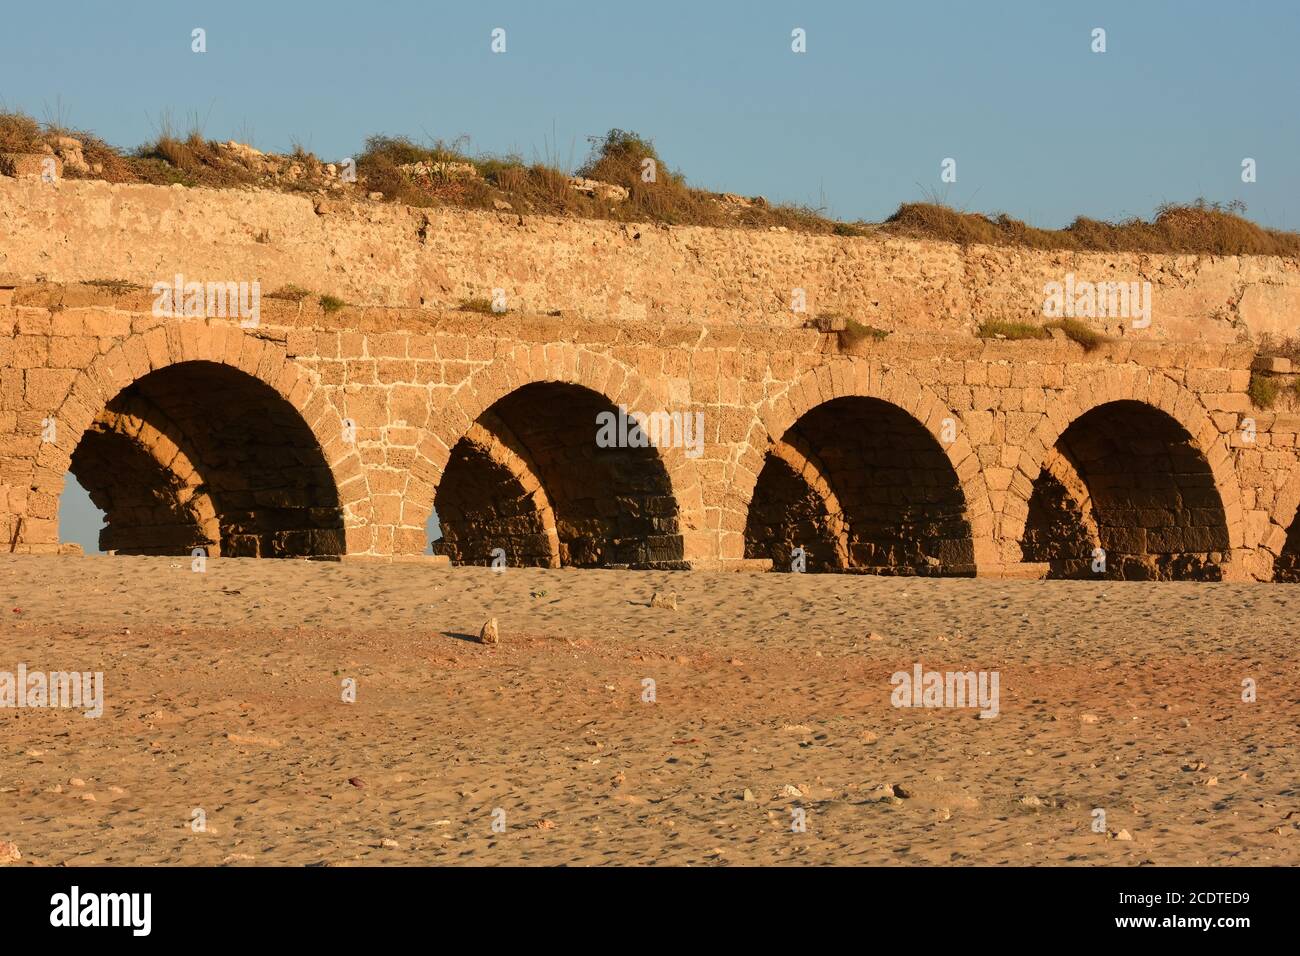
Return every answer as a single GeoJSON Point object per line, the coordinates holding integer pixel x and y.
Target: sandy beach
{"type": "Point", "coordinates": [224, 693]}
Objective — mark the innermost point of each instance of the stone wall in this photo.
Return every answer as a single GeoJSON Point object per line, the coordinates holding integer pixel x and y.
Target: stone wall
{"type": "Point", "coordinates": [326, 432]}
{"type": "Point", "coordinates": [382, 254]}
{"type": "Point", "coordinates": [942, 457]}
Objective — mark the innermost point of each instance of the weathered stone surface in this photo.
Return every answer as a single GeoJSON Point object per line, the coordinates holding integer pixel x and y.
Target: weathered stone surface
{"type": "Point", "coordinates": [1270, 309]}
{"type": "Point", "coordinates": [321, 433]}
{"type": "Point", "coordinates": [596, 270]}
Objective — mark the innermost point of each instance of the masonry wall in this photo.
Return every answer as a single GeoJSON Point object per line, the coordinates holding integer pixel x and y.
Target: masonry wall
{"type": "Point", "coordinates": [382, 254]}
{"type": "Point", "coordinates": [387, 394]}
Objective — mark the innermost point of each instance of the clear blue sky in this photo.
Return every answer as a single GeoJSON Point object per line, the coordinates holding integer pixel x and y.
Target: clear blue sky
{"type": "Point", "coordinates": [1041, 127]}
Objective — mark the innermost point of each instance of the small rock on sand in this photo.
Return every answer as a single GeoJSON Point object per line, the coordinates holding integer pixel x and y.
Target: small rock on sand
{"type": "Point", "coordinates": [664, 599]}
{"type": "Point", "coordinates": [1123, 835]}
{"type": "Point", "coordinates": [748, 796]}
{"type": "Point", "coordinates": [9, 852]}
{"type": "Point", "coordinates": [489, 634]}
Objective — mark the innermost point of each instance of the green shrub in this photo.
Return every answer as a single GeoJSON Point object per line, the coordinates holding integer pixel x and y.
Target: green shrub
{"type": "Point", "coordinates": [857, 333]}
{"type": "Point", "coordinates": [1263, 390]}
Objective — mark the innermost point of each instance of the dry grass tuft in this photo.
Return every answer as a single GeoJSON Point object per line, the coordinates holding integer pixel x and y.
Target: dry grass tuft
{"type": "Point", "coordinates": [447, 174]}
{"type": "Point", "coordinates": [1075, 331]}
{"type": "Point", "coordinates": [1198, 227]}
{"type": "Point", "coordinates": [19, 134]}
{"type": "Point", "coordinates": [1080, 332]}
{"type": "Point", "coordinates": [857, 335]}
{"type": "Point", "coordinates": [481, 306]}
{"type": "Point", "coordinates": [289, 293]}
{"type": "Point", "coordinates": [116, 286]}
{"type": "Point", "coordinates": [1286, 347]}
{"type": "Point", "coordinates": [1014, 331]}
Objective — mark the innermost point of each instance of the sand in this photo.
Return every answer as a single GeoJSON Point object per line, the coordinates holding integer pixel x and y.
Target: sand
{"type": "Point", "coordinates": [224, 693]}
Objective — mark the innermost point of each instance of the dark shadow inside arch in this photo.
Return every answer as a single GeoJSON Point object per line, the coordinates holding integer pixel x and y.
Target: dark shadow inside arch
{"type": "Point", "coordinates": [529, 485]}
{"type": "Point", "coordinates": [901, 509]}
{"type": "Point", "coordinates": [788, 512]}
{"type": "Point", "coordinates": [202, 455]}
{"type": "Point", "coordinates": [488, 510]}
{"type": "Point", "coordinates": [1286, 569]}
{"type": "Point", "coordinates": [1127, 479]}
{"type": "Point", "coordinates": [1059, 531]}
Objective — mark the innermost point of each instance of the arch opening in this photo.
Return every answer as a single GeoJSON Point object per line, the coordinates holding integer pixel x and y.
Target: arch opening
{"type": "Point", "coordinates": [202, 455]}
{"type": "Point", "coordinates": [1128, 479]}
{"type": "Point", "coordinates": [860, 486]}
{"type": "Point", "coordinates": [528, 485]}
{"type": "Point", "coordinates": [80, 520]}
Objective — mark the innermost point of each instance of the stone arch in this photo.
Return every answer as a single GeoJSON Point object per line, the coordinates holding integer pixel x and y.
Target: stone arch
{"type": "Point", "coordinates": [162, 373]}
{"type": "Point", "coordinates": [921, 422]}
{"type": "Point", "coordinates": [153, 496]}
{"type": "Point", "coordinates": [602, 382]}
{"type": "Point", "coordinates": [799, 508]}
{"type": "Point", "coordinates": [506, 507]}
{"type": "Point", "coordinates": [1061, 530]}
{"type": "Point", "coordinates": [1178, 514]}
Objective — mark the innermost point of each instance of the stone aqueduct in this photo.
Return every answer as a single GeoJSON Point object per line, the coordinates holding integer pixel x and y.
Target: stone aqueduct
{"type": "Point", "coordinates": [337, 433]}
{"type": "Point", "coordinates": [202, 433]}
